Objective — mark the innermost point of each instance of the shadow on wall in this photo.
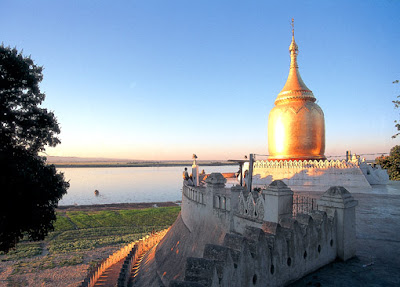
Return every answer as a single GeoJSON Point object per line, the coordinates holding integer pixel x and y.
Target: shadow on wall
{"type": "Point", "coordinates": [312, 178]}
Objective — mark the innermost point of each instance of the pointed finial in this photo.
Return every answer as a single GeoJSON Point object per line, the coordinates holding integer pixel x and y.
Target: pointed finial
{"type": "Point", "coordinates": [294, 87]}
{"type": "Point", "coordinates": [293, 48]}
{"type": "Point", "coordinates": [292, 27]}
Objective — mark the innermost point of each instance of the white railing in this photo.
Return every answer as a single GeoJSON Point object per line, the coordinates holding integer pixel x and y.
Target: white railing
{"type": "Point", "coordinates": [194, 193]}
{"type": "Point", "coordinates": [304, 164]}
{"type": "Point", "coordinates": [222, 202]}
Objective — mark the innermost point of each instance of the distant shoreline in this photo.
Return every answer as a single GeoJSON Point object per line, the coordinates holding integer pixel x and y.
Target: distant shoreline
{"type": "Point", "coordinates": [138, 164]}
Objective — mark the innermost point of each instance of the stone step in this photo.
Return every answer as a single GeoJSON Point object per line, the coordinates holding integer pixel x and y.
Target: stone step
{"type": "Point", "coordinates": [233, 241]}
{"type": "Point", "coordinates": [219, 255]}
{"type": "Point", "coordinates": [199, 270]}
{"type": "Point", "coordinates": [175, 283]}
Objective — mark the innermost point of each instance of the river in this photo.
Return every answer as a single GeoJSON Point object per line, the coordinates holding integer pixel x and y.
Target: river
{"type": "Point", "coordinates": [127, 184]}
{"type": "Point", "coordinates": [143, 184]}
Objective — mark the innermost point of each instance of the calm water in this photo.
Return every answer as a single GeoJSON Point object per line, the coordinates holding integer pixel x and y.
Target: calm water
{"type": "Point", "coordinates": [127, 184]}
{"type": "Point", "coordinates": [143, 184]}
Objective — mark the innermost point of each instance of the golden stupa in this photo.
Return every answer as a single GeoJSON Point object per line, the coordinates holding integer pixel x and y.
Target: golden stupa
{"type": "Point", "coordinates": [296, 125]}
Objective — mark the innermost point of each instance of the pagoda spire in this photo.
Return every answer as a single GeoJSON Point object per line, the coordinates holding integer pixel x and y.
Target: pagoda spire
{"type": "Point", "coordinates": [296, 125]}
{"type": "Point", "coordinates": [294, 50]}
{"type": "Point", "coordinates": [294, 87]}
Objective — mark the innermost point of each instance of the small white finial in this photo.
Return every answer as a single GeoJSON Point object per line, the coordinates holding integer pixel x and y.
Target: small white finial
{"type": "Point", "coordinates": [194, 157]}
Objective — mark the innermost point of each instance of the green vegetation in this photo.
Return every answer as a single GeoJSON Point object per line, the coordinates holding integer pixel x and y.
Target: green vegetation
{"type": "Point", "coordinates": [78, 233]}
{"type": "Point", "coordinates": [78, 230]}
{"type": "Point", "coordinates": [396, 105]}
{"type": "Point", "coordinates": [30, 188]}
{"type": "Point", "coordinates": [391, 163]}
{"type": "Point", "coordinates": [163, 216]}
{"type": "Point", "coordinates": [80, 240]}
{"type": "Point", "coordinates": [63, 223]}
{"type": "Point", "coordinates": [47, 262]}
{"type": "Point", "coordinates": [24, 250]}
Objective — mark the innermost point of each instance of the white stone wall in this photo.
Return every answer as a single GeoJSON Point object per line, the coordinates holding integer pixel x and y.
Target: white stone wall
{"type": "Point", "coordinates": [311, 175]}
{"type": "Point", "coordinates": [253, 251]}
{"type": "Point", "coordinates": [374, 175]}
{"type": "Point", "coordinates": [274, 255]}
{"type": "Point", "coordinates": [200, 205]}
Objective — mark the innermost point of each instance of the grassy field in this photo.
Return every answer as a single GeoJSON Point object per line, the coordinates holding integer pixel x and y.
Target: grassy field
{"type": "Point", "coordinates": [79, 234]}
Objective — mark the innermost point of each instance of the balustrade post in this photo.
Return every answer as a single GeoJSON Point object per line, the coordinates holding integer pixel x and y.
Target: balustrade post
{"type": "Point", "coordinates": [278, 201]}
{"type": "Point", "coordinates": [216, 201]}
{"type": "Point", "coordinates": [338, 202]}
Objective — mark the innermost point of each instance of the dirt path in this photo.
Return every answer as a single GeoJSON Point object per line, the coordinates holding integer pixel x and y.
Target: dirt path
{"type": "Point", "coordinates": [45, 250]}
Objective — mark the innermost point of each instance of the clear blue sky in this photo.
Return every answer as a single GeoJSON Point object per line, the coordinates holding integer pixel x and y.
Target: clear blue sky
{"type": "Point", "coordinates": [165, 79]}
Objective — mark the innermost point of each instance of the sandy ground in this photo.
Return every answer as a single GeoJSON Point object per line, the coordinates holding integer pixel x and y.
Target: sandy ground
{"type": "Point", "coordinates": [20, 273]}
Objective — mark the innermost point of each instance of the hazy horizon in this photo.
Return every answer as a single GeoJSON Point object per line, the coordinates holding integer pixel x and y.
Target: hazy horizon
{"type": "Point", "coordinates": [70, 159]}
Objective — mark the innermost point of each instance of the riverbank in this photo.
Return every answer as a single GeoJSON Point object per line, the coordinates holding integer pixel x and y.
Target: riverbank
{"type": "Point", "coordinates": [83, 236]}
{"type": "Point", "coordinates": [115, 206]}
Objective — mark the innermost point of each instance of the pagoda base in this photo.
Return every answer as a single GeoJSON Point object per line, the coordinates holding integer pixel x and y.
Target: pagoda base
{"type": "Point", "coordinates": [311, 175]}
{"type": "Point", "coordinates": [297, 158]}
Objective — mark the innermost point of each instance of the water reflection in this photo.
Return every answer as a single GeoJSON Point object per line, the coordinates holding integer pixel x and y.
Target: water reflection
{"type": "Point", "coordinates": [144, 184]}
{"type": "Point", "coordinates": [127, 184]}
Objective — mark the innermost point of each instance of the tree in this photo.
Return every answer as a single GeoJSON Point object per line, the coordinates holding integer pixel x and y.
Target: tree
{"type": "Point", "coordinates": [29, 188]}
{"type": "Point", "coordinates": [391, 163]}
{"type": "Point", "coordinates": [396, 105]}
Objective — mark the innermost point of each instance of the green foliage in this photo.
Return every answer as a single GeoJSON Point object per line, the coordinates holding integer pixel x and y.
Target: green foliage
{"type": "Point", "coordinates": [396, 105]}
{"type": "Point", "coordinates": [72, 241]}
{"type": "Point", "coordinates": [391, 163]}
{"type": "Point", "coordinates": [134, 217]}
{"type": "Point", "coordinates": [70, 244]}
{"type": "Point", "coordinates": [26, 250]}
{"type": "Point", "coordinates": [47, 262]}
{"type": "Point", "coordinates": [30, 189]}
{"type": "Point", "coordinates": [81, 219]}
{"type": "Point", "coordinates": [24, 123]}
{"type": "Point", "coordinates": [90, 230]}
{"type": "Point", "coordinates": [63, 223]}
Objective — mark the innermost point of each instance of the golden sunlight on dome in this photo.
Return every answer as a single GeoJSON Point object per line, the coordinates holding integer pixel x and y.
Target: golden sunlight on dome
{"type": "Point", "coordinates": [296, 125]}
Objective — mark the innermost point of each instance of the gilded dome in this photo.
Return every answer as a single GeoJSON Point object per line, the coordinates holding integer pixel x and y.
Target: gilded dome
{"type": "Point", "coordinates": [296, 125]}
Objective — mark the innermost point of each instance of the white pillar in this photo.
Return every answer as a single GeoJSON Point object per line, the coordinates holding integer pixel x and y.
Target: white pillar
{"type": "Point", "coordinates": [278, 201]}
{"type": "Point", "coordinates": [195, 174]}
{"type": "Point", "coordinates": [337, 201]}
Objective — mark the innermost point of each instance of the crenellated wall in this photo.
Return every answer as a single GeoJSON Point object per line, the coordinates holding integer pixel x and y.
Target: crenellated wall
{"type": "Point", "coordinates": [311, 175]}
{"type": "Point", "coordinates": [259, 242]}
{"type": "Point", "coordinates": [273, 255]}
{"type": "Point", "coordinates": [204, 219]}
{"type": "Point", "coordinates": [340, 164]}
